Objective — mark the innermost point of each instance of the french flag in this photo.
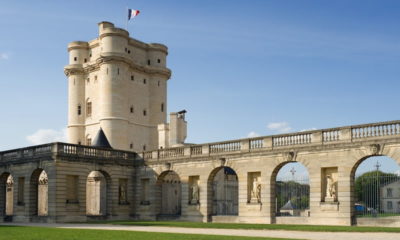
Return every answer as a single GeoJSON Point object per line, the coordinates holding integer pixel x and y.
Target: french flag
{"type": "Point", "coordinates": [132, 13]}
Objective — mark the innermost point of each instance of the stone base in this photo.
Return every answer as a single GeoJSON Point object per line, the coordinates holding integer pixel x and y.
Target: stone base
{"type": "Point", "coordinates": [329, 206]}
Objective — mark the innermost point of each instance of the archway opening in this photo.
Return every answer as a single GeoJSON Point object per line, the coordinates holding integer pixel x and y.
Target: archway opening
{"type": "Point", "coordinates": [291, 190]}
{"type": "Point", "coordinates": [96, 194]}
{"type": "Point", "coordinates": [376, 189]}
{"type": "Point", "coordinates": [169, 185]}
{"type": "Point", "coordinates": [224, 186]}
{"type": "Point", "coordinates": [39, 186]}
{"type": "Point", "coordinates": [6, 195]}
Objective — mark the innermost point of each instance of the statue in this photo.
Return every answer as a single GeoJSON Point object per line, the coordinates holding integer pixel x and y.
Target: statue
{"type": "Point", "coordinates": [122, 194]}
{"type": "Point", "coordinates": [256, 191]}
{"type": "Point", "coordinates": [195, 193]}
{"type": "Point", "coordinates": [330, 188]}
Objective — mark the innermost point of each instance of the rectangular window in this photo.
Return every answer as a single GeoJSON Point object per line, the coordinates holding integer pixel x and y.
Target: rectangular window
{"type": "Point", "coordinates": [72, 189]}
{"type": "Point", "coordinates": [389, 205]}
{"type": "Point", "coordinates": [89, 109]}
{"type": "Point", "coordinates": [21, 190]}
{"type": "Point", "coordinates": [79, 110]}
{"type": "Point", "coordinates": [162, 107]}
{"type": "Point", "coordinates": [389, 192]}
{"type": "Point", "coordinates": [132, 77]}
{"type": "Point", "coordinates": [144, 197]}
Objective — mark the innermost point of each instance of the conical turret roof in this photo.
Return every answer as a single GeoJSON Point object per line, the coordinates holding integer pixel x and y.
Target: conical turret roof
{"type": "Point", "coordinates": [101, 140]}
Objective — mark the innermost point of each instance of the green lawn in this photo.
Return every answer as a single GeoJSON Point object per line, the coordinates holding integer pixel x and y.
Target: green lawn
{"type": "Point", "coordinates": [43, 233]}
{"type": "Point", "coordinates": [313, 228]}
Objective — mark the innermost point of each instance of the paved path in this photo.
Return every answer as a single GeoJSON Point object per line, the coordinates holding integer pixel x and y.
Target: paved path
{"type": "Point", "coordinates": [228, 232]}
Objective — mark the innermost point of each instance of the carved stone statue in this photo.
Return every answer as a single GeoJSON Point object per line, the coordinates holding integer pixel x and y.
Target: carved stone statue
{"type": "Point", "coordinates": [330, 188]}
{"type": "Point", "coordinates": [195, 193]}
{"type": "Point", "coordinates": [256, 191]}
{"type": "Point", "coordinates": [122, 194]}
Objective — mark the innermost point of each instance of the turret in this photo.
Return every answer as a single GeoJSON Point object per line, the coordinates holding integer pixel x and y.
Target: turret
{"type": "Point", "coordinates": [120, 85]}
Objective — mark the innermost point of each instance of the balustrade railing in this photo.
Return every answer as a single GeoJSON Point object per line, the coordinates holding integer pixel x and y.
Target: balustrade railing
{"type": "Point", "coordinates": [331, 136]}
{"type": "Point", "coordinates": [225, 147]}
{"type": "Point", "coordinates": [303, 138]}
{"type": "Point", "coordinates": [171, 152]}
{"type": "Point", "coordinates": [256, 143]}
{"type": "Point", "coordinates": [325, 136]}
{"type": "Point", "coordinates": [376, 130]}
{"type": "Point", "coordinates": [196, 150]}
{"type": "Point", "coordinates": [66, 150]}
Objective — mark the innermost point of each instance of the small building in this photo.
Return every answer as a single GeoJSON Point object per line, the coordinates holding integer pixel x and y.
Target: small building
{"type": "Point", "coordinates": [390, 197]}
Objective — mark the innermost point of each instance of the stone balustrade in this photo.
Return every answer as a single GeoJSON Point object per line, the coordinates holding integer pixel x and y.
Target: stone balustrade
{"type": "Point", "coordinates": [345, 134]}
{"type": "Point", "coordinates": [64, 150]}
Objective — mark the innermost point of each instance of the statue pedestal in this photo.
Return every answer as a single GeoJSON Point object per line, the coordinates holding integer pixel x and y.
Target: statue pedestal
{"type": "Point", "coordinates": [194, 202]}
{"type": "Point", "coordinates": [329, 199]}
{"type": "Point", "coordinates": [254, 200]}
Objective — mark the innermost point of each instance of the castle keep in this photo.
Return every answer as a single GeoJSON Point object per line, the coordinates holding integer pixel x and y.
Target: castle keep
{"type": "Point", "coordinates": [123, 160]}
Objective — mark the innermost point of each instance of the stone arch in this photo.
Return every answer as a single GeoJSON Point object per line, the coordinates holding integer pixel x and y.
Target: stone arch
{"type": "Point", "coordinates": [285, 204]}
{"type": "Point", "coordinates": [223, 192]}
{"type": "Point", "coordinates": [368, 190]}
{"type": "Point", "coordinates": [98, 195]}
{"type": "Point", "coordinates": [169, 191]}
{"type": "Point", "coordinates": [6, 194]}
{"type": "Point", "coordinates": [38, 197]}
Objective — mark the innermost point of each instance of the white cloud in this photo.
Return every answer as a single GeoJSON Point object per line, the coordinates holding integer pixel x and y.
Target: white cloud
{"type": "Point", "coordinates": [308, 129]}
{"type": "Point", "coordinates": [4, 56]}
{"type": "Point", "coordinates": [280, 127]}
{"type": "Point", "coordinates": [252, 134]}
{"type": "Point", "coordinates": [42, 136]}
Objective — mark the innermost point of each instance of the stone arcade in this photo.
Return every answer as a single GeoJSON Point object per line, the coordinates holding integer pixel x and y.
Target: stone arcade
{"type": "Point", "coordinates": [117, 92]}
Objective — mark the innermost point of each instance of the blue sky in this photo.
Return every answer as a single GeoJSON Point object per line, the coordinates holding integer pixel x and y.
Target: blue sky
{"type": "Point", "coordinates": [239, 67]}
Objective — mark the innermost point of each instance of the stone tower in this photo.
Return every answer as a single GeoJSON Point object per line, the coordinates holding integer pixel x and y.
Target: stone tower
{"type": "Point", "coordinates": [117, 84]}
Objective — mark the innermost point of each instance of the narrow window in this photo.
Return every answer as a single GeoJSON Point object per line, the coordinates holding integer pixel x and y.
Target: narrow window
{"type": "Point", "coordinates": [75, 59]}
{"type": "Point", "coordinates": [107, 71]}
{"type": "Point", "coordinates": [118, 71]}
{"type": "Point", "coordinates": [144, 147]}
{"type": "Point", "coordinates": [144, 112]}
{"type": "Point", "coordinates": [148, 62]}
{"type": "Point", "coordinates": [95, 77]}
{"type": "Point", "coordinates": [131, 109]}
{"type": "Point", "coordinates": [79, 143]}
{"type": "Point", "coordinates": [21, 190]}
{"type": "Point", "coordinates": [159, 60]}
{"type": "Point", "coordinates": [89, 109]}
{"type": "Point", "coordinates": [144, 81]}
{"type": "Point", "coordinates": [88, 80]}
{"type": "Point", "coordinates": [85, 60]}
{"type": "Point", "coordinates": [158, 83]}
{"type": "Point", "coordinates": [126, 50]}
{"type": "Point", "coordinates": [90, 54]}
{"type": "Point", "coordinates": [88, 141]}
{"type": "Point", "coordinates": [79, 109]}
{"type": "Point", "coordinates": [129, 51]}
{"type": "Point", "coordinates": [162, 107]}
{"type": "Point", "coordinates": [131, 145]}
{"type": "Point", "coordinates": [132, 78]}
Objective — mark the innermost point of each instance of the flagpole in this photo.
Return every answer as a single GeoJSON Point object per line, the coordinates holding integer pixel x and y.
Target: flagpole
{"type": "Point", "coordinates": [126, 11]}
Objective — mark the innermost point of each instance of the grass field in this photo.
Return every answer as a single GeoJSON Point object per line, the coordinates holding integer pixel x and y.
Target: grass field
{"type": "Point", "coordinates": [43, 233]}
{"type": "Point", "coordinates": [312, 228]}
